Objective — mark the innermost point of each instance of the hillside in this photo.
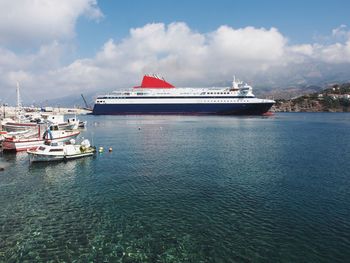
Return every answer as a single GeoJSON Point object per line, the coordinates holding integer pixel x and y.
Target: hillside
{"type": "Point", "coordinates": [335, 98]}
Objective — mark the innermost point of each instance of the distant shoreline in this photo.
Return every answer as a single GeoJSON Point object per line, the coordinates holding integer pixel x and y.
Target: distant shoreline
{"type": "Point", "coordinates": [10, 111]}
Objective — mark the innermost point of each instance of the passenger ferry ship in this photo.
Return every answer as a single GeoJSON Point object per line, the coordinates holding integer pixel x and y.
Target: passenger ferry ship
{"type": "Point", "coordinates": [156, 96]}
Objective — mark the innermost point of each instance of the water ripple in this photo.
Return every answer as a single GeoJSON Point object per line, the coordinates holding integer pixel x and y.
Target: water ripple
{"type": "Point", "coordinates": [186, 189]}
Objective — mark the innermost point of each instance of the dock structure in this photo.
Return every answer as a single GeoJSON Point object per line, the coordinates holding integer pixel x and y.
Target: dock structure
{"type": "Point", "coordinates": [9, 111]}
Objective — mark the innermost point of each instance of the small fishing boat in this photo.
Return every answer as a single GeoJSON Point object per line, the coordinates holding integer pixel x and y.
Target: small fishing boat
{"type": "Point", "coordinates": [55, 151]}
{"type": "Point", "coordinates": [20, 122]}
{"type": "Point", "coordinates": [13, 126]}
{"type": "Point", "coordinates": [24, 142]}
{"type": "Point", "coordinates": [76, 123]}
{"type": "Point", "coordinates": [58, 119]}
{"type": "Point", "coordinates": [73, 122]}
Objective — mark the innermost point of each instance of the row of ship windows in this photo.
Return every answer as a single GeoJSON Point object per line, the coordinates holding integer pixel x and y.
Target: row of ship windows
{"type": "Point", "coordinates": [220, 93]}
{"type": "Point", "coordinates": [225, 101]}
{"type": "Point", "coordinates": [125, 96]}
{"type": "Point", "coordinates": [203, 93]}
{"type": "Point", "coordinates": [102, 101]}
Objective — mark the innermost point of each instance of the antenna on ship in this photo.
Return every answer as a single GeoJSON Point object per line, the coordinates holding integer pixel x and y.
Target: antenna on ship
{"type": "Point", "coordinates": [234, 83]}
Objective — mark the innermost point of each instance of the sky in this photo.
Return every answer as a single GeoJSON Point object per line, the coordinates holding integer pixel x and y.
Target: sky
{"type": "Point", "coordinates": [59, 48]}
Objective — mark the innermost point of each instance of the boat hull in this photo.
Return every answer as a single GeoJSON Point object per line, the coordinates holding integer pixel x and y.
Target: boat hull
{"type": "Point", "coordinates": [21, 145]}
{"type": "Point", "coordinates": [18, 145]}
{"type": "Point", "coordinates": [37, 157]}
{"type": "Point", "coordinates": [183, 109]}
{"type": "Point", "coordinates": [15, 127]}
{"type": "Point", "coordinates": [44, 158]}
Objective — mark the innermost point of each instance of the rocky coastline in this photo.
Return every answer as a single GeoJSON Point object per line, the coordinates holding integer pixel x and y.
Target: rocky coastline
{"type": "Point", "coordinates": [335, 98]}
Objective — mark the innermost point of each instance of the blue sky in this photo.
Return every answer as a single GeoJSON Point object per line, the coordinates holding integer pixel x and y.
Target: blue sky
{"type": "Point", "coordinates": [300, 21]}
{"type": "Point", "coordinates": [67, 47]}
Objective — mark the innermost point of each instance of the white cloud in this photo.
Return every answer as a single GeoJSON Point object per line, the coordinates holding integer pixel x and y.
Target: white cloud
{"type": "Point", "coordinates": [182, 55]}
{"type": "Point", "coordinates": [253, 44]}
{"type": "Point", "coordinates": [189, 56]}
{"type": "Point", "coordinates": [333, 54]}
{"type": "Point", "coordinates": [304, 49]}
{"type": "Point", "coordinates": [341, 32]}
{"type": "Point", "coordinates": [24, 22]}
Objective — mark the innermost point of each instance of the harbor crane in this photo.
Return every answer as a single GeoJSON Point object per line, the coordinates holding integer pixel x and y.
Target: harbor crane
{"type": "Point", "coordinates": [86, 105]}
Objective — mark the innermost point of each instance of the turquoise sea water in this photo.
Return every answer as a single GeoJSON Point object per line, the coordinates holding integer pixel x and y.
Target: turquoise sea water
{"type": "Point", "coordinates": [186, 189]}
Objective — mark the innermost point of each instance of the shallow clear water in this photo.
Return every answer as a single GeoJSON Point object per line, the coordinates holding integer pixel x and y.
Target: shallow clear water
{"type": "Point", "coordinates": [186, 189]}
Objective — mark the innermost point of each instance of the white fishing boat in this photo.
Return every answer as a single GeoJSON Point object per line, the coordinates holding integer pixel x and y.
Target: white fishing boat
{"type": "Point", "coordinates": [74, 122]}
{"type": "Point", "coordinates": [15, 126]}
{"type": "Point", "coordinates": [71, 124]}
{"type": "Point", "coordinates": [20, 122]}
{"type": "Point", "coordinates": [58, 119]}
{"type": "Point", "coordinates": [56, 151]}
{"type": "Point", "coordinates": [23, 143]}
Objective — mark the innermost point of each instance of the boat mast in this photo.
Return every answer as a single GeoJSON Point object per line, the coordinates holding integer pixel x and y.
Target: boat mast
{"type": "Point", "coordinates": [19, 103]}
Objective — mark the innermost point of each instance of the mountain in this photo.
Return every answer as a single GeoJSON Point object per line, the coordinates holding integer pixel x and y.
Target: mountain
{"type": "Point", "coordinates": [271, 87]}
{"type": "Point", "coordinates": [71, 101]}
